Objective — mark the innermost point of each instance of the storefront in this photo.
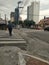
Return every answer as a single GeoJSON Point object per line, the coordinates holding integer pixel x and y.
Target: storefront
{"type": "Point", "coordinates": [3, 26]}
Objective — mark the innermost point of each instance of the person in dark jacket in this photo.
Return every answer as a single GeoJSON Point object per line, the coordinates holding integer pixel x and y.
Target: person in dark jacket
{"type": "Point", "coordinates": [10, 26]}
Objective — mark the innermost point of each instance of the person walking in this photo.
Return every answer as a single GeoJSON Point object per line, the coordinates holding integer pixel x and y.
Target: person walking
{"type": "Point", "coordinates": [10, 26]}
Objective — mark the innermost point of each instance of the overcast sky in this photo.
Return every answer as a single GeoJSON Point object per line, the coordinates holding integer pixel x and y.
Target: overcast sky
{"type": "Point", "coordinates": [6, 6]}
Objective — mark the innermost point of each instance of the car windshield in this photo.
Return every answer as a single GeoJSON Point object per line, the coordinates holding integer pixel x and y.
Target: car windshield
{"type": "Point", "coordinates": [24, 32]}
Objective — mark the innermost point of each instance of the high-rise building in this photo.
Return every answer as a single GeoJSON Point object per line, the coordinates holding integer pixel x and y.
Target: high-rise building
{"type": "Point", "coordinates": [12, 15]}
{"type": "Point", "coordinates": [33, 11]}
{"type": "Point", "coordinates": [16, 15]}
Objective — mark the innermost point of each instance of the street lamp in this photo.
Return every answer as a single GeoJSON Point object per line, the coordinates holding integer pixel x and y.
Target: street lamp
{"type": "Point", "coordinates": [19, 3]}
{"type": "Point", "coordinates": [44, 22]}
{"type": "Point", "coordinates": [18, 11]}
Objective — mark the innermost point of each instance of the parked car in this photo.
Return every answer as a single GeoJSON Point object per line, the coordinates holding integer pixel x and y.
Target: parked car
{"type": "Point", "coordinates": [46, 29]}
{"type": "Point", "coordinates": [39, 28]}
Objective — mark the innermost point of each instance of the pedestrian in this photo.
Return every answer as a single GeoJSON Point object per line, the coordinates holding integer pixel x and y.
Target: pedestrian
{"type": "Point", "coordinates": [10, 26]}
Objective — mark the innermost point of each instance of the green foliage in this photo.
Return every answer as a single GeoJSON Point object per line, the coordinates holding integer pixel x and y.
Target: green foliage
{"type": "Point", "coordinates": [28, 23]}
{"type": "Point", "coordinates": [9, 21]}
{"type": "Point", "coordinates": [15, 22]}
{"type": "Point", "coordinates": [20, 22]}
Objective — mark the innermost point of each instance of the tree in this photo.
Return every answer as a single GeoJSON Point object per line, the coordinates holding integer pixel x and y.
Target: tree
{"type": "Point", "coordinates": [21, 22]}
{"type": "Point", "coordinates": [28, 23]}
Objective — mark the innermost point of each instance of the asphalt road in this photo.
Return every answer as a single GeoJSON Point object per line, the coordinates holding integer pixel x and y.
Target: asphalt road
{"type": "Point", "coordinates": [41, 35]}
{"type": "Point", "coordinates": [37, 42]}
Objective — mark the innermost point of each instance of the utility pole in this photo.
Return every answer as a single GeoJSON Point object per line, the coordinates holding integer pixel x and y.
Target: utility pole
{"type": "Point", "coordinates": [5, 19]}
{"type": "Point", "coordinates": [0, 15]}
{"type": "Point", "coordinates": [44, 22]}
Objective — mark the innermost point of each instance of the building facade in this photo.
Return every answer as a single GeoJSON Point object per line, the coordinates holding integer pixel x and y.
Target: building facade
{"type": "Point", "coordinates": [44, 22]}
{"type": "Point", "coordinates": [16, 15]}
{"type": "Point", "coordinates": [33, 11]}
{"type": "Point", "coordinates": [12, 15]}
{"type": "Point", "coordinates": [3, 25]}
